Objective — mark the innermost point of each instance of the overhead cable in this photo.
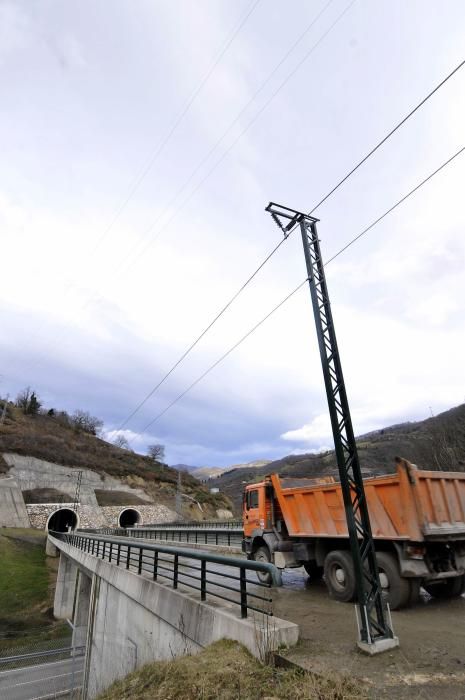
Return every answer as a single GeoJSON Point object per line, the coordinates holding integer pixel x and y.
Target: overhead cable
{"type": "Point", "coordinates": [236, 140]}
{"type": "Point", "coordinates": [275, 249]}
{"type": "Point", "coordinates": [294, 291]}
{"type": "Point", "coordinates": [155, 155]}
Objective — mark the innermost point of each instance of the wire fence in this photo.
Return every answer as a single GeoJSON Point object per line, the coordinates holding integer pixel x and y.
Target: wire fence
{"type": "Point", "coordinates": [31, 669]}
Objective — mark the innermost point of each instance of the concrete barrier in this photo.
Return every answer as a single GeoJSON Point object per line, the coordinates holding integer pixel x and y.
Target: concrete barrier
{"type": "Point", "coordinates": [132, 620]}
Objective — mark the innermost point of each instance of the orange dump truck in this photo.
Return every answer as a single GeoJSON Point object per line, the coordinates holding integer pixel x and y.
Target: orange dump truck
{"type": "Point", "coordinates": [417, 520]}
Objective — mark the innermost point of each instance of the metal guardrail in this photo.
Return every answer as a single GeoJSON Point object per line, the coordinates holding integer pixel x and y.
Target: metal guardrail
{"type": "Point", "coordinates": [225, 537]}
{"type": "Point", "coordinates": [8, 660]}
{"type": "Point", "coordinates": [198, 524]}
{"type": "Point", "coordinates": [184, 567]}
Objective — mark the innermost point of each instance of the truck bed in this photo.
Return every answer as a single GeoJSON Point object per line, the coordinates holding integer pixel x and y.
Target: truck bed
{"type": "Point", "coordinates": [410, 505]}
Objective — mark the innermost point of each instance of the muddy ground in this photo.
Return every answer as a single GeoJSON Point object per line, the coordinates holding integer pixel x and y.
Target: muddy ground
{"type": "Point", "coordinates": [430, 662]}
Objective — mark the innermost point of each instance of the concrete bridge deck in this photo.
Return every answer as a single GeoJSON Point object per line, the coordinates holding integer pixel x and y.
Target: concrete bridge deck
{"type": "Point", "coordinates": [127, 619]}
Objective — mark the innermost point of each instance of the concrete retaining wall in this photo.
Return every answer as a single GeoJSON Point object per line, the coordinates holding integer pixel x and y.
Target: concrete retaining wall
{"type": "Point", "coordinates": [28, 473]}
{"type": "Point", "coordinates": [33, 473]}
{"type": "Point", "coordinates": [13, 511]}
{"type": "Point", "coordinates": [133, 620]}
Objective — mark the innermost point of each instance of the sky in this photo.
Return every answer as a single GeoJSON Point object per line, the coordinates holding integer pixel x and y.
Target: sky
{"type": "Point", "coordinates": [140, 142]}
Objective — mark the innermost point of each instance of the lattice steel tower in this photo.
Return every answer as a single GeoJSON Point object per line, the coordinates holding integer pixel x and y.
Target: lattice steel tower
{"type": "Point", "coordinates": [373, 617]}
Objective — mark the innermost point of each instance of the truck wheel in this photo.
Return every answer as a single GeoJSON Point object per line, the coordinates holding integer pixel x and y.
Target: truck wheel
{"type": "Point", "coordinates": [396, 588]}
{"type": "Point", "coordinates": [340, 575]}
{"type": "Point", "coordinates": [313, 570]}
{"type": "Point", "coordinates": [448, 588]}
{"type": "Point", "coordinates": [262, 554]}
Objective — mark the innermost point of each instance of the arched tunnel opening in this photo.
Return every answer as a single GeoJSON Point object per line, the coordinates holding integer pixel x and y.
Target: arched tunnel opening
{"type": "Point", "coordinates": [129, 517]}
{"type": "Point", "coordinates": [62, 520]}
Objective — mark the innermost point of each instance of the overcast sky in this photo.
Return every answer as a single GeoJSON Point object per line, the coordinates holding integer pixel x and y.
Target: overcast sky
{"type": "Point", "coordinates": [112, 265]}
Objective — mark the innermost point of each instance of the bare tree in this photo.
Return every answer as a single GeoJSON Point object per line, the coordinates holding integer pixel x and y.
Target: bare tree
{"type": "Point", "coordinates": [121, 442]}
{"type": "Point", "coordinates": [156, 452]}
{"type": "Point", "coordinates": [82, 421]}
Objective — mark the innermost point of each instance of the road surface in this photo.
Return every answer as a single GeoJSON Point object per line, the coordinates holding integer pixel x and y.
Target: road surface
{"type": "Point", "coordinates": [42, 680]}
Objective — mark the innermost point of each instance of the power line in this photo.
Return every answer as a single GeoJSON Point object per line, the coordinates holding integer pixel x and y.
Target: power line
{"type": "Point", "coordinates": [204, 332]}
{"type": "Point", "coordinates": [275, 249]}
{"type": "Point", "coordinates": [330, 193]}
{"type": "Point", "coordinates": [393, 131]}
{"type": "Point", "coordinates": [294, 291]}
{"type": "Point", "coordinates": [237, 139]}
{"type": "Point", "coordinates": [127, 267]}
{"type": "Point", "coordinates": [145, 170]}
{"type": "Point", "coordinates": [206, 158]}
{"type": "Point", "coordinates": [154, 157]}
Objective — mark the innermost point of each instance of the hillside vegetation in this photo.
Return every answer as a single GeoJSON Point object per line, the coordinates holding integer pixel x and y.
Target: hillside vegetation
{"type": "Point", "coordinates": [435, 443]}
{"type": "Point", "coordinates": [47, 437]}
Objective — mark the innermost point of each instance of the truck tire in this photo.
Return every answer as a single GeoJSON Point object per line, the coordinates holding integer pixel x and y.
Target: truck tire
{"type": "Point", "coordinates": [396, 589]}
{"type": "Point", "coordinates": [340, 575]}
{"type": "Point", "coordinates": [448, 588]}
{"type": "Point", "coordinates": [262, 554]}
{"type": "Point", "coordinates": [313, 570]}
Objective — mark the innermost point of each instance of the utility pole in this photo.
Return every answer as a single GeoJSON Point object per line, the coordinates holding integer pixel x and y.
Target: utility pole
{"type": "Point", "coordinates": [373, 617]}
{"type": "Point", "coordinates": [179, 495]}
{"type": "Point", "coordinates": [77, 493]}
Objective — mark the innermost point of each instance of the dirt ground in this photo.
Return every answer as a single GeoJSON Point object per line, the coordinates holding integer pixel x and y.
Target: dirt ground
{"type": "Point", "coordinates": [430, 662]}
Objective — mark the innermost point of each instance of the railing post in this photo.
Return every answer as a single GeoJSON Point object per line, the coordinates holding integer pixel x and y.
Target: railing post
{"type": "Point", "coordinates": [175, 573]}
{"type": "Point", "coordinates": [203, 580]}
{"type": "Point", "coordinates": [118, 554]}
{"type": "Point", "coordinates": [111, 551]}
{"type": "Point", "coordinates": [140, 560]}
{"type": "Point", "coordinates": [128, 556]}
{"type": "Point", "coordinates": [155, 566]}
{"type": "Point", "coordinates": [243, 589]}
{"type": "Point", "coordinates": [104, 549]}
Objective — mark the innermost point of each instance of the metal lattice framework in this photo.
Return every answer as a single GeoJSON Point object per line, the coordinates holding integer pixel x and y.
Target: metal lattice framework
{"type": "Point", "coordinates": [77, 493]}
{"type": "Point", "coordinates": [373, 618]}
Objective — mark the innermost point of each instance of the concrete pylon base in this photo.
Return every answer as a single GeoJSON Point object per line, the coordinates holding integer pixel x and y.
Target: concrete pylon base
{"type": "Point", "coordinates": [378, 646]}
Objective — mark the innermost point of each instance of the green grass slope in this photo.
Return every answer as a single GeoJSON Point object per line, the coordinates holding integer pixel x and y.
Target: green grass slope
{"type": "Point", "coordinates": [27, 580]}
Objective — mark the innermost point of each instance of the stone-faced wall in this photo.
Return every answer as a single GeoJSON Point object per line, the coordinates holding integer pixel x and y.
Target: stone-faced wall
{"type": "Point", "coordinates": [149, 514]}
{"type": "Point", "coordinates": [95, 516]}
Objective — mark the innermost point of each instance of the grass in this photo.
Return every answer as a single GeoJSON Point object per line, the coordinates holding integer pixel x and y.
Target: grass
{"type": "Point", "coordinates": [226, 671]}
{"type": "Point", "coordinates": [26, 589]}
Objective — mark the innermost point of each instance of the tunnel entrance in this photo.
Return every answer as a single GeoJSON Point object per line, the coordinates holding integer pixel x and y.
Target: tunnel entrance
{"type": "Point", "coordinates": [62, 520]}
{"type": "Point", "coordinates": [129, 517]}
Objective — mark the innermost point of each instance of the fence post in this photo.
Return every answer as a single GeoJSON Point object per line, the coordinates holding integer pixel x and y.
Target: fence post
{"type": "Point", "coordinates": [175, 573]}
{"type": "Point", "coordinates": [118, 554]}
{"type": "Point", "coordinates": [243, 588]}
{"type": "Point", "coordinates": [155, 565]}
{"type": "Point", "coordinates": [140, 561]}
{"type": "Point", "coordinates": [128, 556]}
{"type": "Point", "coordinates": [203, 580]}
